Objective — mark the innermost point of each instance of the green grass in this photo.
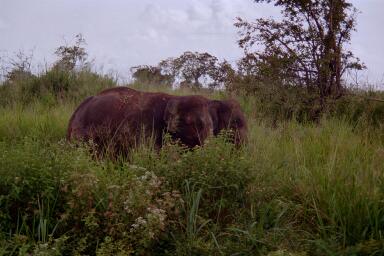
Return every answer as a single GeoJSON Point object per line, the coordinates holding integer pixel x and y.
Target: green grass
{"type": "Point", "coordinates": [296, 188]}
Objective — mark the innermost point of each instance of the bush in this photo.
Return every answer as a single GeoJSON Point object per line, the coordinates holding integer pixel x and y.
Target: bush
{"type": "Point", "coordinates": [56, 193]}
{"type": "Point", "coordinates": [32, 175]}
{"type": "Point", "coordinates": [54, 86]}
{"type": "Point", "coordinates": [361, 109]}
{"type": "Point", "coordinates": [218, 169]}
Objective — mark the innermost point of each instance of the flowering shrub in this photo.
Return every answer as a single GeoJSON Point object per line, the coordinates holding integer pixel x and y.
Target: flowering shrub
{"type": "Point", "coordinates": [120, 217]}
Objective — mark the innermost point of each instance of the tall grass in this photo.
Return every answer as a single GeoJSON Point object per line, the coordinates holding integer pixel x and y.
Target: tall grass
{"type": "Point", "coordinates": [335, 174]}
{"type": "Point", "coordinates": [297, 188]}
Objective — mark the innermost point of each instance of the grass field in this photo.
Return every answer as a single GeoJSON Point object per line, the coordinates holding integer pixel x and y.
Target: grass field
{"type": "Point", "coordinates": [297, 188]}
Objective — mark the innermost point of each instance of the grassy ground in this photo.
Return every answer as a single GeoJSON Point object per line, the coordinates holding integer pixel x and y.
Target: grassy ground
{"type": "Point", "coordinates": [297, 188]}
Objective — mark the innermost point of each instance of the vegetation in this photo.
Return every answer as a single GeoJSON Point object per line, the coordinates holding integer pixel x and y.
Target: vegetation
{"type": "Point", "coordinates": [189, 70]}
{"type": "Point", "coordinates": [310, 180]}
{"type": "Point", "coordinates": [297, 188]}
{"type": "Point", "coordinates": [306, 48]}
{"type": "Point", "coordinates": [151, 75]}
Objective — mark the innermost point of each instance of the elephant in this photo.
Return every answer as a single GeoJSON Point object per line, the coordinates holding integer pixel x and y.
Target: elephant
{"type": "Point", "coordinates": [120, 118]}
{"type": "Point", "coordinates": [227, 115]}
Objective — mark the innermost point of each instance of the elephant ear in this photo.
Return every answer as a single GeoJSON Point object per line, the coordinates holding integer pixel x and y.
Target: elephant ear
{"type": "Point", "coordinates": [214, 110]}
{"type": "Point", "coordinates": [170, 115]}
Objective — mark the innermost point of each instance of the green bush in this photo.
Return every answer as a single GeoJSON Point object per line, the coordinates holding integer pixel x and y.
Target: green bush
{"type": "Point", "coordinates": [54, 86]}
{"type": "Point", "coordinates": [57, 193]}
{"type": "Point", "coordinates": [32, 175]}
{"type": "Point", "coordinates": [362, 109]}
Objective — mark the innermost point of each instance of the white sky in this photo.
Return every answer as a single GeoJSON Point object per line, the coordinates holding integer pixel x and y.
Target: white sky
{"type": "Point", "coordinates": [124, 33]}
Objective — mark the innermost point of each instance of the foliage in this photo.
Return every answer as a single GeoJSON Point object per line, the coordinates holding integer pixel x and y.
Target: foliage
{"type": "Point", "coordinates": [190, 67]}
{"type": "Point", "coordinates": [361, 108]}
{"type": "Point", "coordinates": [306, 48]}
{"type": "Point", "coordinates": [151, 75]}
{"type": "Point", "coordinates": [72, 55]}
{"type": "Point", "coordinates": [57, 194]}
{"type": "Point", "coordinates": [17, 68]}
{"type": "Point", "coordinates": [275, 103]}
{"type": "Point", "coordinates": [53, 86]}
{"type": "Point", "coordinates": [296, 189]}
{"type": "Point", "coordinates": [69, 78]}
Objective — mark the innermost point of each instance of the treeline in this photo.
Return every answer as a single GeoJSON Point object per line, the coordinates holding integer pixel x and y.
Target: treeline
{"type": "Point", "coordinates": [71, 78]}
{"type": "Point", "coordinates": [305, 49]}
{"type": "Point", "coordinates": [291, 68]}
{"type": "Point", "coordinates": [294, 67]}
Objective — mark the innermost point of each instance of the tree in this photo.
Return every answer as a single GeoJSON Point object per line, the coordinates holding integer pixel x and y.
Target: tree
{"type": "Point", "coordinates": [221, 75]}
{"type": "Point", "coordinates": [72, 56]}
{"type": "Point", "coordinates": [190, 67]}
{"type": "Point", "coordinates": [151, 75]}
{"type": "Point", "coordinates": [18, 67]}
{"type": "Point", "coordinates": [306, 47]}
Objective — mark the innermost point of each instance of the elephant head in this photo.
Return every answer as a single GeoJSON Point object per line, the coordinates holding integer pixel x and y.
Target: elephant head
{"type": "Point", "coordinates": [227, 115]}
{"type": "Point", "coordinates": [187, 118]}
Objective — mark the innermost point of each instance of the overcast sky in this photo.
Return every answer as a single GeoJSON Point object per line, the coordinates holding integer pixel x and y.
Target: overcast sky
{"type": "Point", "coordinates": [124, 33]}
